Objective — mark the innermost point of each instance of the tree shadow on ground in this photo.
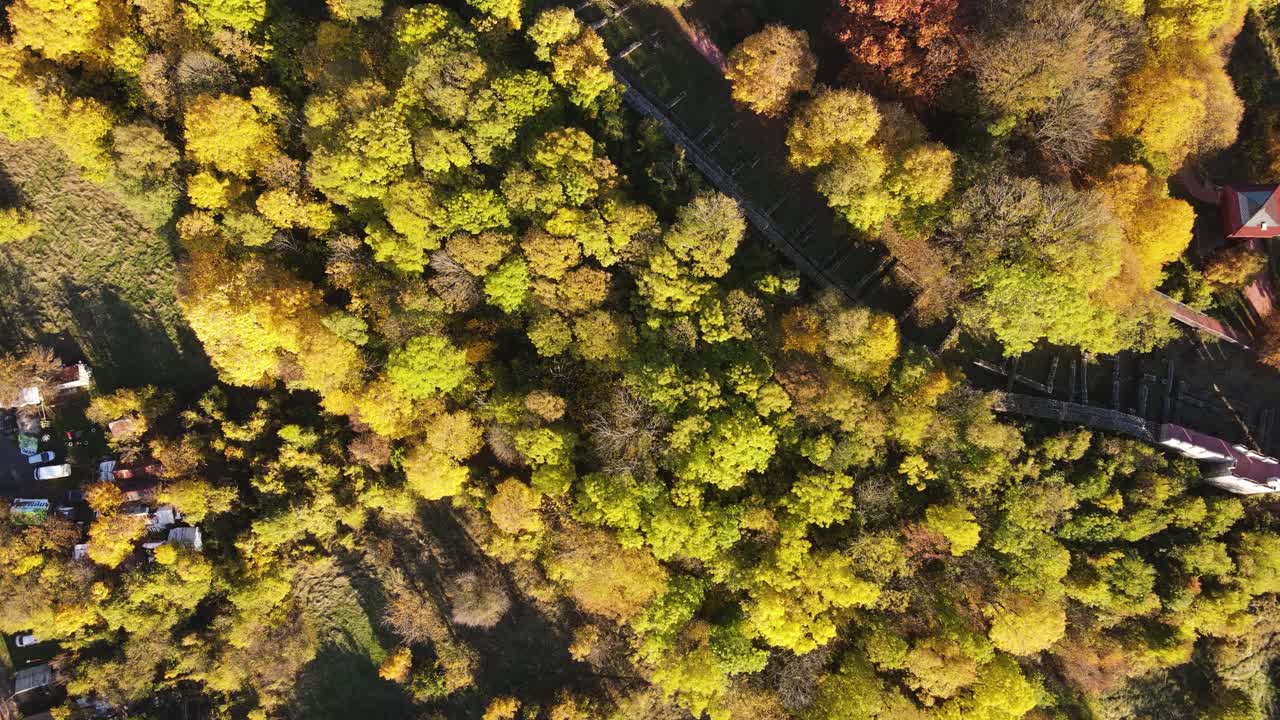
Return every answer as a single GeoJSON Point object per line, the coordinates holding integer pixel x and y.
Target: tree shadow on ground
{"type": "Point", "coordinates": [1254, 76]}
{"type": "Point", "coordinates": [99, 278]}
{"type": "Point", "coordinates": [17, 319]}
{"type": "Point", "coordinates": [371, 594]}
{"type": "Point", "coordinates": [10, 194]}
{"type": "Point", "coordinates": [124, 347]}
{"type": "Point", "coordinates": [525, 655]}
{"type": "Point", "coordinates": [127, 348]}
{"type": "Point", "coordinates": [343, 684]}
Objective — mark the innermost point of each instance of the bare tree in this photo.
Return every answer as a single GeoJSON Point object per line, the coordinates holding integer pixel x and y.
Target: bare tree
{"type": "Point", "coordinates": [453, 283]}
{"type": "Point", "coordinates": [370, 449]}
{"type": "Point", "coordinates": [33, 367]}
{"type": "Point", "coordinates": [476, 600]}
{"type": "Point", "coordinates": [202, 72]}
{"type": "Point", "coordinates": [1068, 128]}
{"type": "Point", "coordinates": [503, 445]}
{"type": "Point", "coordinates": [416, 619]}
{"type": "Point", "coordinates": [796, 676]}
{"type": "Point", "coordinates": [1054, 65]}
{"type": "Point", "coordinates": [625, 434]}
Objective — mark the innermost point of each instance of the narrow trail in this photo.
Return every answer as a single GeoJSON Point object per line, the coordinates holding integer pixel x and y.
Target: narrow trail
{"type": "Point", "coordinates": [1197, 186]}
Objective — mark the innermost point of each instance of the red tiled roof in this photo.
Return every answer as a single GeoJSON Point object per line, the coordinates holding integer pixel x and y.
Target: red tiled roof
{"type": "Point", "coordinates": [1246, 209]}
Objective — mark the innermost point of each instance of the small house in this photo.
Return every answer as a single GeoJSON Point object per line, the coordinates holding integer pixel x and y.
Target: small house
{"type": "Point", "coordinates": [27, 396]}
{"type": "Point", "coordinates": [138, 489]}
{"type": "Point", "coordinates": [1250, 211]}
{"type": "Point", "coordinates": [136, 472]}
{"type": "Point", "coordinates": [72, 377]}
{"type": "Point", "coordinates": [163, 518]}
{"type": "Point", "coordinates": [32, 678]}
{"type": "Point", "coordinates": [123, 429]}
{"type": "Point", "coordinates": [69, 378]}
{"type": "Point", "coordinates": [186, 537]}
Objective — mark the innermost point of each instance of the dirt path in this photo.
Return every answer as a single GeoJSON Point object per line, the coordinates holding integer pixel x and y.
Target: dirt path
{"type": "Point", "coordinates": [1198, 187]}
{"type": "Point", "coordinates": [1261, 293]}
{"type": "Point", "coordinates": [699, 40]}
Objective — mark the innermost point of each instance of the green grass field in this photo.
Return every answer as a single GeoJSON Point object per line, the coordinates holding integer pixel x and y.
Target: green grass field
{"type": "Point", "coordinates": [345, 605]}
{"type": "Point", "coordinates": [98, 280]}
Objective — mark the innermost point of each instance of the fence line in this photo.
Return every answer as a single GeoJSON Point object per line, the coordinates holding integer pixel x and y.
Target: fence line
{"type": "Point", "coordinates": [705, 163]}
{"type": "Point", "coordinates": [1200, 321]}
{"type": "Point", "coordinates": [1113, 421]}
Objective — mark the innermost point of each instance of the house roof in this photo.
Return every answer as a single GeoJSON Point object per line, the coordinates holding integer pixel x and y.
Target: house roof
{"type": "Point", "coordinates": [122, 428]}
{"type": "Point", "coordinates": [1255, 467]}
{"type": "Point", "coordinates": [164, 517]}
{"type": "Point", "coordinates": [187, 537]}
{"type": "Point", "coordinates": [138, 488]}
{"type": "Point", "coordinates": [1194, 444]}
{"type": "Point", "coordinates": [32, 678]}
{"type": "Point", "coordinates": [135, 471]}
{"type": "Point", "coordinates": [1233, 460]}
{"type": "Point", "coordinates": [1250, 211]}
{"type": "Point", "coordinates": [73, 376]}
{"type": "Point", "coordinates": [25, 396]}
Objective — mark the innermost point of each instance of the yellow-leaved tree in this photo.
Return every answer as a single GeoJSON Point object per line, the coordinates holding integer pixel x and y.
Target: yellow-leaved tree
{"type": "Point", "coordinates": [58, 29]}
{"type": "Point", "coordinates": [767, 68]}
{"type": "Point", "coordinates": [1156, 227]}
{"type": "Point", "coordinates": [229, 134]}
{"type": "Point", "coordinates": [874, 161]}
{"type": "Point", "coordinates": [1177, 106]}
{"type": "Point", "coordinates": [114, 537]}
{"type": "Point", "coordinates": [259, 323]}
{"type": "Point", "coordinates": [1181, 101]}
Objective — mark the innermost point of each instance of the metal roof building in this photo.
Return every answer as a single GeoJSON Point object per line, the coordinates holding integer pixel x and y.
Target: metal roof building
{"type": "Point", "coordinates": [1234, 468]}
{"type": "Point", "coordinates": [32, 678]}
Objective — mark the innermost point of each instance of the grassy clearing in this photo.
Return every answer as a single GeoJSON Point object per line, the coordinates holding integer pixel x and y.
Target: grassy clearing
{"type": "Point", "coordinates": [98, 280]}
{"type": "Point", "coordinates": [344, 603]}
{"type": "Point", "coordinates": [334, 599]}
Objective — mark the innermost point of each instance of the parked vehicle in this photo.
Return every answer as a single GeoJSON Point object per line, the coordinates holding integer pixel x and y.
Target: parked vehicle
{"type": "Point", "coordinates": [53, 472]}
{"type": "Point", "coordinates": [44, 457]}
{"type": "Point", "coordinates": [24, 640]}
{"type": "Point", "coordinates": [29, 511]}
{"type": "Point", "coordinates": [28, 444]}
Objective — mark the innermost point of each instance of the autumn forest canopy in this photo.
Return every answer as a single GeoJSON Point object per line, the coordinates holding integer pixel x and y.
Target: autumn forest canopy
{"type": "Point", "coordinates": [487, 404]}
